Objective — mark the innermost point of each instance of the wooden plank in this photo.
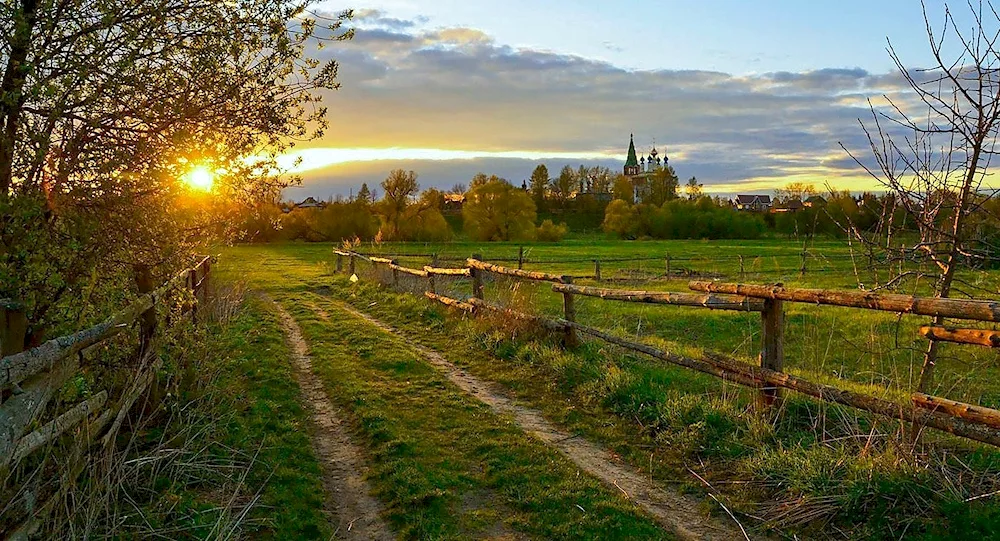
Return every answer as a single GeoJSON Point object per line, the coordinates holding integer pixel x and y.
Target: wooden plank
{"type": "Point", "coordinates": [523, 274]}
{"type": "Point", "coordinates": [407, 270]}
{"type": "Point", "coordinates": [55, 428]}
{"type": "Point", "coordinates": [978, 414]}
{"type": "Point", "coordinates": [978, 310]}
{"type": "Point", "coordinates": [448, 301]}
{"type": "Point", "coordinates": [755, 376]}
{"type": "Point", "coordinates": [978, 337]}
{"type": "Point", "coordinates": [464, 271]}
{"type": "Point", "coordinates": [384, 260]}
{"type": "Point", "coordinates": [714, 302]}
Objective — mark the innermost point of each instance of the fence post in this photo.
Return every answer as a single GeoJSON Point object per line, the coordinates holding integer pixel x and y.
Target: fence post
{"type": "Point", "coordinates": [772, 353]}
{"type": "Point", "coordinates": [13, 328]}
{"type": "Point", "coordinates": [395, 274]}
{"type": "Point", "coordinates": [350, 263]}
{"type": "Point", "coordinates": [193, 288]}
{"type": "Point", "coordinates": [477, 279]}
{"type": "Point", "coordinates": [431, 280]}
{"type": "Point", "coordinates": [667, 264]}
{"type": "Point", "coordinates": [520, 257]}
{"type": "Point", "coordinates": [340, 263]}
{"type": "Point", "coordinates": [147, 321]}
{"type": "Point", "coordinates": [597, 270]}
{"type": "Point", "coordinates": [569, 314]}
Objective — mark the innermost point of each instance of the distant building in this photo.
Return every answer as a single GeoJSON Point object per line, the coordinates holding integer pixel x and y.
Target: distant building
{"type": "Point", "coordinates": [454, 201]}
{"type": "Point", "coordinates": [756, 203]}
{"type": "Point", "coordinates": [814, 201]}
{"type": "Point", "coordinates": [640, 169]}
{"type": "Point", "coordinates": [310, 203]}
{"type": "Point", "coordinates": [793, 205]}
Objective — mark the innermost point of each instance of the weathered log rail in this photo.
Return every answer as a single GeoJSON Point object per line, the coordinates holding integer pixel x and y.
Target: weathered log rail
{"type": "Point", "coordinates": [965, 420]}
{"type": "Point", "coordinates": [32, 377]}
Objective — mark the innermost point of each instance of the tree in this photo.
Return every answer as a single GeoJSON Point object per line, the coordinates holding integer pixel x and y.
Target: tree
{"type": "Point", "coordinates": [662, 187]}
{"type": "Point", "coordinates": [539, 184]}
{"type": "Point", "coordinates": [602, 179]}
{"type": "Point", "coordinates": [794, 191]}
{"type": "Point", "coordinates": [620, 219]}
{"type": "Point", "coordinates": [583, 178]}
{"type": "Point", "coordinates": [693, 189]}
{"type": "Point", "coordinates": [458, 189]}
{"type": "Point", "coordinates": [932, 159]}
{"type": "Point", "coordinates": [562, 186]}
{"type": "Point", "coordinates": [498, 211]}
{"type": "Point", "coordinates": [364, 194]}
{"type": "Point", "coordinates": [623, 189]}
{"type": "Point", "coordinates": [399, 187]}
{"type": "Point", "coordinates": [106, 105]}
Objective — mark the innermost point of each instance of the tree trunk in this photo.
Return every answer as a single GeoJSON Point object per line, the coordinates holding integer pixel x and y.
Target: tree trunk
{"type": "Point", "coordinates": [12, 88]}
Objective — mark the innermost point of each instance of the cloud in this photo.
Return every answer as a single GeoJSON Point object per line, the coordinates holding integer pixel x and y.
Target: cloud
{"type": "Point", "coordinates": [408, 86]}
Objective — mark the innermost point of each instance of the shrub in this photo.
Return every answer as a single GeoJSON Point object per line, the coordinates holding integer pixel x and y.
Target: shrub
{"type": "Point", "coordinates": [550, 232]}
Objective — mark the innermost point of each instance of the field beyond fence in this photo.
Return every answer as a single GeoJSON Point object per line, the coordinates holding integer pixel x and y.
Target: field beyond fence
{"type": "Point", "coordinates": [769, 377]}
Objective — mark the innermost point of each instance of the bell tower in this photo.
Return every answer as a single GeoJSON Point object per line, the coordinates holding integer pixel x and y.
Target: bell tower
{"type": "Point", "coordinates": [631, 162]}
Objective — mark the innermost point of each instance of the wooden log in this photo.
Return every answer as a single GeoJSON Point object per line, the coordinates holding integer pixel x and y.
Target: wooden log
{"type": "Point", "coordinates": [978, 310]}
{"type": "Point", "coordinates": [407, 270]}
{"type": "Point", "coordinates": [979, 337]}
{"type": "Point", "coordinates": [978, 414]}
{"type": "Point", "coordinates": [383, 260]}
{"type": "Point", "coordinates": [772, 352]}
{"type": "Point", "coordinates": [476, 264]}
{"type": "Point", "coordinates": [714, 302]}
{"type": "Point", "coordinates": [754, 376]}
{"type": "Point", "coordinates": [448, 301]}
{"type": "Point", "coordinates": [55, 428]}
{"type": "Point", "coordinates": [19, 411]}
{"type": "Point", "coordinates": [477, 277]}
{"type": "Point", "coordinates": [464, 271]}
{"type": "Point", "coordinates": [569, 314]}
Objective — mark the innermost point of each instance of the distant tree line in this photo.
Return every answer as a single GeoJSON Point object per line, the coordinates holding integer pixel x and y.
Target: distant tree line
{"type": "Point", "coordinates": [491, 208]}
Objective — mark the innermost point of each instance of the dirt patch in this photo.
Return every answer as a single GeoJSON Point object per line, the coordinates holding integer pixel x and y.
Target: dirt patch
{"type": "Point", "coordinates": [348, 495]}
{"type": "Point", "coordinates": [674, 511]}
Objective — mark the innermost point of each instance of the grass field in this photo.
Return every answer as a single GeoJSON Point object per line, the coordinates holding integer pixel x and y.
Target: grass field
{"type": "Point", "coordinates": [815, 469]}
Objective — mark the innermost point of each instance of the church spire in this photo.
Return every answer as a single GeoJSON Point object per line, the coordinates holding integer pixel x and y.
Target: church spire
{"type": "Point", "coordinates": [631, 162]}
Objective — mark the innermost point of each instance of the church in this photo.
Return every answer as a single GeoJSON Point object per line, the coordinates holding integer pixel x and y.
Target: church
{"type": "Point", "coordinates": [640, 170]}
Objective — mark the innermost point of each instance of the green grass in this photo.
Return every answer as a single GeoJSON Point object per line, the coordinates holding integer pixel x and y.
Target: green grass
{"type": "Point", "coordinates": [814, 468]}
{"type": "Point", "coordinates": [234, 411]}
{"type": "Point", "coordinates": [445, 465]}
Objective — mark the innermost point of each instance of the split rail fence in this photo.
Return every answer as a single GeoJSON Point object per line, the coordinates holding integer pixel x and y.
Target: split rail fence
{"type": "Point", "coordinates": [965, 420]}
{"type": "Point", "coordinates": [30, 379]}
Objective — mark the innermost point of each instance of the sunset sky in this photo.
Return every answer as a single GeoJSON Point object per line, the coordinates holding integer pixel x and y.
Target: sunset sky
{"type": "Point", "coordinates": [747, 96]}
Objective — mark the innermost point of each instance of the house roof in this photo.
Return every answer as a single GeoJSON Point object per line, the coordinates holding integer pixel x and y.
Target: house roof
{"type": "Point", "coordinates": [309, 202]}
{"type": "Point", "coordinates": [751, 199]}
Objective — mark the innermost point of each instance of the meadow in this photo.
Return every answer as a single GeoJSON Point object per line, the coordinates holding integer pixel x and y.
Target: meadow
{"type": "Point", "coordinates": [811, 468]}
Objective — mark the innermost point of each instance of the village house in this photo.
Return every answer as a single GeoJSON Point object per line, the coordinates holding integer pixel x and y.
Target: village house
{"type": "Point", "coordinates": [755, 203]}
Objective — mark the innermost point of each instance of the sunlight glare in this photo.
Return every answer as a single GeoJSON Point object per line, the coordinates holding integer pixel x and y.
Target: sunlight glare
{"type": "Point", "coordinates": [200, 178]}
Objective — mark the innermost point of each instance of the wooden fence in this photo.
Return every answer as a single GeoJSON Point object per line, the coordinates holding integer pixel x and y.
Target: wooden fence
{"type": "Point", "coordinates": [965, 420]}
{"type": "Point", "coordinates": [29, 379]}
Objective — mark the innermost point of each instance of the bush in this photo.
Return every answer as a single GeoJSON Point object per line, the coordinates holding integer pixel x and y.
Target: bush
{"type": "Point", "coordinates": [550, 232]}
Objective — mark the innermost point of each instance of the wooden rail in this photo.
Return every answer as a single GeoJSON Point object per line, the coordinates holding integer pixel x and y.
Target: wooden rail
{"type": "Point", "coordinates": [464, 271]}
{"type": "Point", "coordinates": [927, 306]}
{"type": "Point", "coordinates": [714, 302]}
{"type": "Point", "coordinates": [407, 270]}
{"type": "Point", "coordinates": [517, 273]}
{"type": "Point", "coordinates": [978, 414]}
{"type": "Point", "coordinates": [978, 337]}
{"type": "Point", "coordinates": [448, 301]}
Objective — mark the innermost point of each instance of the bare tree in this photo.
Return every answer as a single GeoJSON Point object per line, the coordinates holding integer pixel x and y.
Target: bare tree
{"type": "Point", "coordinates": [932, 147]}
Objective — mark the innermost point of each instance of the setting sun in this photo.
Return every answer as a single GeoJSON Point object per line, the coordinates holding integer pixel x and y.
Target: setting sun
{"type": "Point", "coordinates": [200, 178]}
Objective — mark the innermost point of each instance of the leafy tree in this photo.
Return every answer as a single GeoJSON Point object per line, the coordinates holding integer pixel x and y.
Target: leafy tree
{"type": "Point", "coordinates": [458, 188]}
{"type": "Point", "coordinates": [662, 187]}
{"type": "Point", "coordinates": [623, 189]}
{"type": "Point", "coordinates": [583, 178]}
{"type": "Point", "coordinates": [539, 184]}
{"type": "Point", "coordinates": [550, 232]}
{"type": "Point", "coordinates": [562, 186]}
{"type": "Point", "coordinates": [399, 187]}
{"type": "Point", "coordinates": [693, 189]}
{"type": "Point", "coordinates": [620, 219]}
{"type": "Point", "coordinates": [602, 179]}
{"type": "Point", "coordinates": [794, 191]}
{"type": "Point", "coordinates": [106, 105]}
{"type": "Point", "coordinates": [497, 210]}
